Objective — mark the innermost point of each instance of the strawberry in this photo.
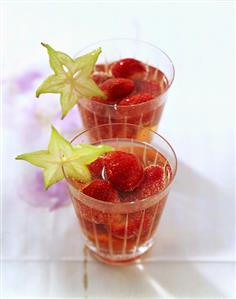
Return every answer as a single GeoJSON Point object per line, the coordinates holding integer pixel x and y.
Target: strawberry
{"type": "Point", "coordinates": [134, 224]}
{"type": "Point", "coordinates": [101, 190]}
{"type": "Point", "coordinates": [96, 167]}
{"type": "Point", "coordinates": [118, 228]}
{"type": "Point", "coordinates": [117, 88]}
{"type": "Point", "coordinates": [153, 182]}
{"type": "Point", "coordinates": [142, 115]}
{"type": "Point", "coordinates": [136, 99]}
{"type": "Point", "coordinates": [99, 77]}
{"type": "Point", "coordinates": [123, 170]}
{"type": "Point", "coordinates": [95, 215]}
{"type": "Point", "coordinates": [128, 68]}
{"type": "Point", "coordinates": [101, 236]}
{"type": "Point", "coordinates": [152, 217]}
{"type": "Point", "coordinates": [153, 88]}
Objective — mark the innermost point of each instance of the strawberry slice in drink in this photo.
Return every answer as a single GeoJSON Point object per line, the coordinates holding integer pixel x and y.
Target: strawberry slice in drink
{"type": "Point", "coordinates": [99, 236]}
{"type": "Point", "coordinates": [138, 223]}
{"type": "Point", "coordinates": [127, 230]}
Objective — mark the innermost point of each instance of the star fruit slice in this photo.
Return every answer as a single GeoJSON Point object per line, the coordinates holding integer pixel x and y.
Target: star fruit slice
{"type": "Point", "coordinates": [71, 78]}
{"type": "Point", "coordinates": [61, 156]}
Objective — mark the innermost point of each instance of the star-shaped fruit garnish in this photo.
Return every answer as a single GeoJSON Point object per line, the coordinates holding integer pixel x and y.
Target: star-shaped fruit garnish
{"type": "Point", "coordinates": [71, 78]}
{"type": "Point", "coordinates": [63, 158]}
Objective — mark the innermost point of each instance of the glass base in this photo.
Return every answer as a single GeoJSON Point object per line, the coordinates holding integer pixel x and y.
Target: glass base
{"type": "Point", "coordinates": [120, 259]}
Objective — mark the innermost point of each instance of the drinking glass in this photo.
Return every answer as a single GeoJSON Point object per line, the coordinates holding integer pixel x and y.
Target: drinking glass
{"type": "Point", "coordinates": [118, 233]}
{"type": "Point", "coordinates": [160, 69]}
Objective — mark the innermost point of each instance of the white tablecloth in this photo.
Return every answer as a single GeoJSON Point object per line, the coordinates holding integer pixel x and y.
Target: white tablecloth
{"type": "Point", "coordinates": [194, 253]}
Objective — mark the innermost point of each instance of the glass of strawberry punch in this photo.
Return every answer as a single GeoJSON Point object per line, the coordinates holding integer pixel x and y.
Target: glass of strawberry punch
{"type": "Point", "coordinates": [121, 81]}
{"type": "Point", "coordinates": [135, 76]}
{"type": "Point", "coordinates": [118, 186]}
{"type": "Point", "coordinates": [120, 209]}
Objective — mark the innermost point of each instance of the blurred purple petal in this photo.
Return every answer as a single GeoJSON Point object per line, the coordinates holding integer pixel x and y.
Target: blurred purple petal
{"type": "Point", "coordinates": [35, 194]}
{"type": "Point", "coordinates": [25, 81]}
{"type": "Point", "coordinates": [32, 117]}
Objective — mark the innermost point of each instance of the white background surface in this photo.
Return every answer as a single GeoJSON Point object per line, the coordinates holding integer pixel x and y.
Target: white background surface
{"type": "Point", "coordinates": [194, 253]}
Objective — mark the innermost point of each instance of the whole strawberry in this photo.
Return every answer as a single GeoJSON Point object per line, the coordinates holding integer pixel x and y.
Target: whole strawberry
{"type": "Point", "coordinates": [128, 68]}
{"type": "Point", "coordinates": [153, 182]}
{"type": "Point", "coordinates": [123, 170]}
{"type": "Point", "coordinates": [116, 88]}
{"type": "Point", "coordinates": [101, 190]}
{"type": "Point", "coordinates": [96, 167]}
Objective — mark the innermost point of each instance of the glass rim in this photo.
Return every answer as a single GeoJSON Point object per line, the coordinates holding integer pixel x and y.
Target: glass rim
{"type": "Point", "coordinates": [142, 202]}
{"type": "Point", "coordinates": [142, 42]}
